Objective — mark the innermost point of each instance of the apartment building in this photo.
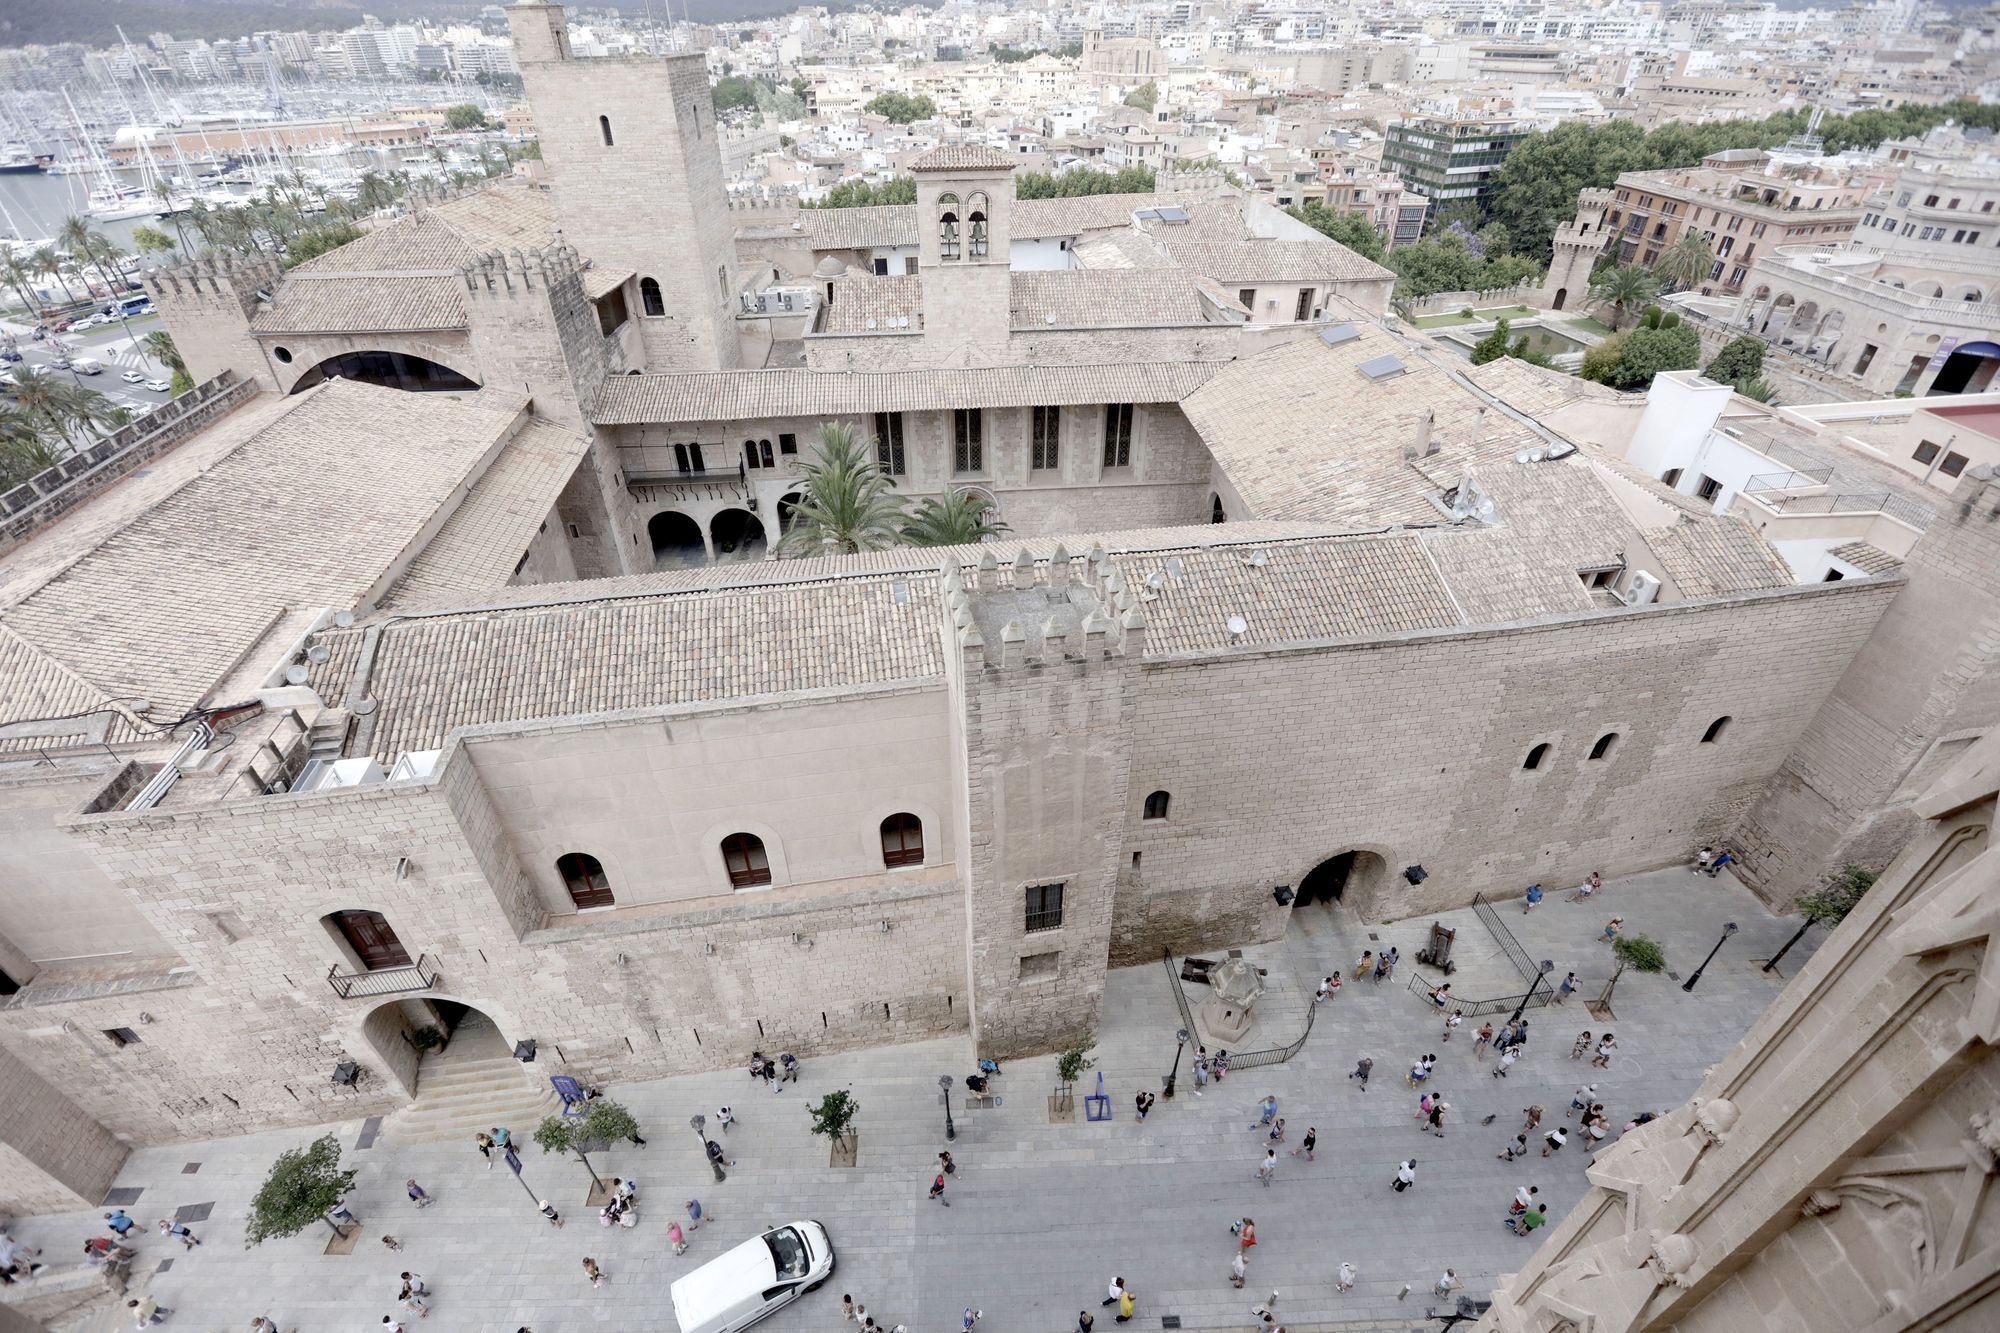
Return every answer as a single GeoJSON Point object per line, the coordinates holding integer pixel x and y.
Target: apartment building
{"type": "Point", "coordinates": [1450, 159]}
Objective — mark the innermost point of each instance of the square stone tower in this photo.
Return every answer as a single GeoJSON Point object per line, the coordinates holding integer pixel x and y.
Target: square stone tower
{"type": "Point", "coordinates": [633, 152]}
{"type": "Point", "coordinates": [965, 212]}
{"type": "Point", "coordinates": [1576, 245]}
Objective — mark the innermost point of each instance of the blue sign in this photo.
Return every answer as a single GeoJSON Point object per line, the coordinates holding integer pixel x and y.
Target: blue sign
{"type": "Point", "coordinates": [513, 1160]}
{"type": "Point", "coordinates": [570, 1091]}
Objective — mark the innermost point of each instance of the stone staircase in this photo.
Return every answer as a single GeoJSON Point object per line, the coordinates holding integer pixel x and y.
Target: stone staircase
{"type": "Point", "coordinates": [475, 1083]}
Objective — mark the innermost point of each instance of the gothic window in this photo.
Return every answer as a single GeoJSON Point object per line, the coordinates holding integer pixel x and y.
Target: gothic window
{"type": "Point", "coordinates": [1046, 454]}
{"type": "Point", "coordinates": [583, 875]}
{"type": "Point", "coordinates": [948, 226]}
{"type": "Point", "coordinates": [889, 442]}
{"type": "Point", "coordinates": [969, 451]}
{"type": "Point", "coordinates": [902, 840]}
{"type": "Point", "coordinates": [743, 855]}
{"type": "Point", "coordinates": [604, 128]}
{"type": "Point", "coordinates": [975, 223]}
{"type": "Point", "coordinates": [1045, 907]}
{"type": "Point", "coordinates": [650, 300]}
{"type": "Point", "coordinates": [1117, 435]}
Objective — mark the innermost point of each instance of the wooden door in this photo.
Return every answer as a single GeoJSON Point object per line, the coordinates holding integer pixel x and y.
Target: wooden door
{"type": "Point", "coordinates": [368, 934]}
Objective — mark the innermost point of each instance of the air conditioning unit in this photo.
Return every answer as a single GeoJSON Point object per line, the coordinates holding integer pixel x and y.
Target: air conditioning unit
{"type": "Point", "coordinates": [1641, 589]}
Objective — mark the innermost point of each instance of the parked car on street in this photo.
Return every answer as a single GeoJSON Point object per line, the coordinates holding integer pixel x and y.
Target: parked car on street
{"type": "Point", "coordinates": [132, 377]}
{"type": "Point", "coordinates": [742, 1285]}
{"type": "Point", "coordinates": [158, 386]}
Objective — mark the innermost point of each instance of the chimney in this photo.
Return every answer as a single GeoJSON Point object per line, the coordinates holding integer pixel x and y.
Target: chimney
{"type": "Point", "coordinates": [1421, 446]}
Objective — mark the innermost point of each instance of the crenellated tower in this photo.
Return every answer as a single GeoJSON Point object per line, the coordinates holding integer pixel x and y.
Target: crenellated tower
{"type": "Point", "coordinates": [1577, 243]}
{"type": "Point", "coordinates": [208, 305]}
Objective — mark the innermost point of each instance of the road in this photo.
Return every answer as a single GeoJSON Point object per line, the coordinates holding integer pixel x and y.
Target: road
{"type": "Point", "coordinates": [116, 347]}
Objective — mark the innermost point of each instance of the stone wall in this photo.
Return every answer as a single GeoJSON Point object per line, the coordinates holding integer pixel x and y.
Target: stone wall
{"type": "Point", "coordinates": [53, 1156]}
{"type": "Point", "coordinates": [207, 304]}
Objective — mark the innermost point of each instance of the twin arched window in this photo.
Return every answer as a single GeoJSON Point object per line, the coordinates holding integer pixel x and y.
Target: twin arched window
{"type": "Point", "coordinates": [743, 856]}
{"type": "Point", "coordinates": [1156, 805]}
{"type": "Point", "coordinates": [948, 226]}
{"type": "Point", "coordinates": [583, 875]}
{"type": "Point", "coordinates": [650, 300]}
{"type": "Point", "coordinates": [902, 840]}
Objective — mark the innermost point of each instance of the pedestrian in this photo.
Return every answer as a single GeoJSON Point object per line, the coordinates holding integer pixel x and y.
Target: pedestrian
{"type": "Point", "coordinates": [1702, 860]}
{"type": "Point", "coordinates": [484, 1142]}
{"type": "Point", "coordinates": [1361, 1071]}
{"type": "Point", "coordinates": [1518, 1148]}
{"type": "Point", "coordinates": [1555, 1139]}
{"type": "Point", "coordinates": [263, 1324]}
{"type": "Point", "coordinates": [1144, 1103]}
{"type": "Point", "coordinates": [1441, 995]}
{"type": "Point", "coordinates": [1366, 965]}
{"type": "Point", "coordinates": [1524, 1198]}
{"type": "Point", "coordinates": [417, 1195]}
{"type": "Point", "coordinates": [1200, 1071]}
{"type": "Point", "coordinates": [625, 1191]}
{"type": "Point", "coordinates": [389, 1324]}
{"type": "Point", "coordinates": [503, 1137]}
{"type": "Point", "coordinates": [1456, 1017]}
{"type": "Point", "coordinates": [1266, 1310]}
{"type": "Point", "coordinates": [147, 1310]}
{"type": "Point", "coordinates": [1606, 1044]}
{"type": "Point", "coordinates": [968, 1319]}
{"type": "Point", "coordinates": [1612, 927]}
{"type": "Point", "coordinates": [1220, 1065]}
{"type": "Point", "coordinates": [1723, 858]}
{"type": "Point", "coordinates": [1381, 966]}
{"type": "Point", "coordinates": [1265, 1110]}
{"type": "Point", "coordinates": [1269, 1167]}
{"type": "Point", "coordinates": [695, 1215]}
{"type": "Point", "coordinates": [715, 1153]}
{"type": "Point", "coordinates": [1528, 1221]}
{"type": "Point", "coordinates": [340, 1213]}
{"type": "Point", "coordinates": [1406, 1175]}
{"type": "Point", "coordinates": [946, 1165]}
{"type": "Point", "coordinates": [756, 1064]}
{"type": "Point", "coordinates": [1482, 1040]}
{"type": "Point", "coordinates": [1533, 900]}
{"type": "Point", "coordinates": [1421, 1070]}
{"type": "Point", "coordinates": [1588, 887]}
{"type": "Point", "coordinates": [1246, 1234]}
{"type": "Point", "coordinates": [1567, 989]}
{"type": "Point", "coordinates": [1345, 1281]}
{"type": "Point", "coordinates": [1582, 1044]}
{"type": "Point", "coordinates": [1506, 1037]}
{"type": "Point", "coordinates": [937, 1190]}
{"type": "Point", "coordinates": [1437, 1117]}
{"type": "Point", "coordinates": [119, 1222]}
{"type": "Point", "coordinates": [1325, 989]}
{"type": "Point", "coordinates": [1114, 1291]}
{"type": "Point", "coordinates": [1308, 1143]}
{"type": "Point", "coordinates": [188, 1240]}
{"type": "Point", "coordinates": [412, 1298]}
{"type": "Point", "coordinates": [1534, 1115]}
{"type": "Point", "coordinates": [592, 1271]}
{"type": "Point", "coordinates": [1581, 1099]}
{"type": "Point", "coordinates": [394, 1244]}
{"type": "Point", "coordinates": [1237, 1268]}
{"type": "Point", "coordinates": [1084, 1319]}
{"type": "Point", "coordinates": [1395, 957]}
{"type": "Point", "coordinates": [548, 1211]}
{"type": "Point", "coordinates": [847, 1307]}
{"type": "Point", "coordinates": [1424, 1106]}
{"type": "Point", "coordinates": [791, 1067]}
{"type": "Point", "coordinates": [678, 1239]}
{"type": "Point", "coordinates": [1520, 1037]}
{"type": "Point", "coordinates": [1277, 1134]}
{"type": "Point", "coordinates": [1507, 1059]}
{"type": "Point", "coordinates": [1125, 1304]}
{"type": "Point", "coordinates": [771, 1074]}
{"type": "Point", "coordinates": [1447, 1284]}
{"type": "Point", "coordinates": [724, 1119]}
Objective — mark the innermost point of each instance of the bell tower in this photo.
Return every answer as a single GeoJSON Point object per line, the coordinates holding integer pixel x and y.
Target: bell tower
{"type": "Point", "coordinates": [965, 213]}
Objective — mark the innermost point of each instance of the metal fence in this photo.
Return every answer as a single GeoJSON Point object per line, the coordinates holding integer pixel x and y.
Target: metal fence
{"type": "Point", "coordinates": [1275, 1055]}
{"type": "Point", "coordinates": [420, 975]}
{"type": "Point", "coordinates": [1504, 937]}
{"type": "Point", "coordinates": [1540, 994]}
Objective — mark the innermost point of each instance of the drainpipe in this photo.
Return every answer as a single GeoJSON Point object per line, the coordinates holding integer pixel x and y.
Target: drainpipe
{"type": "Point", "coordinates": [1931, 471]}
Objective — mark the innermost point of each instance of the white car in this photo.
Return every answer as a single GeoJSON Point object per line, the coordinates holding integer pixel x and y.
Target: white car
{"type": "Point", "coordinates": [157, 386]}
{"type": "Point", "coordinates": [133, 377]}
{"type": "Point", "coordinates": [742, 1285]}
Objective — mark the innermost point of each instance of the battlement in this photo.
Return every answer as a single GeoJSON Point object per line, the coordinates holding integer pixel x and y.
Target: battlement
{"type": "Point", "coordinates": [1597, 197]}
{"type": "Point", "coordinates": [1029, 613]}
{"type": "Point", "coordinates": [1170, 181]}
{"type": "Point", "coordinates": [221, 274]}
{"type": "Point", "coordinates": [498, 272]}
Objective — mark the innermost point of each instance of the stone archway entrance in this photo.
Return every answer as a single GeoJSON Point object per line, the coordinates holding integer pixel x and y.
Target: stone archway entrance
{"type": "Point", "coordinates": [463, 1080]}
{"type": "Point", "coordinates": [1353, 877]}
{"type": "Point", "coordinates": [1562, 296]}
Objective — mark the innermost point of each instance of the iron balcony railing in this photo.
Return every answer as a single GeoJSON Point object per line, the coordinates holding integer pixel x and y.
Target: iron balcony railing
{"type": "Point", "coordinates": [420, 975]}
{"type": "Point", "coordinates": [1794, 480]}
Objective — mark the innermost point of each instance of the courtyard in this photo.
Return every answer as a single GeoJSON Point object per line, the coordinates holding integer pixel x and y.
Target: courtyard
{"type": "Point", "coordinates": [1042, 1214]}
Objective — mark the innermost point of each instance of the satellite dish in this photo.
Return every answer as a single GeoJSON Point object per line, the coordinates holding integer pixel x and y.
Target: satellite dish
{"type": "Point", "coordinates": [318, 653]}
{"type": "Point", "coordinates": [1258, 560]}
{"type": "Point", "coordinates": [343, 618]}
{"type": "Point", "coordinates": [1238, 627]}
{"type": "Point", "coordinates": [296, 673]}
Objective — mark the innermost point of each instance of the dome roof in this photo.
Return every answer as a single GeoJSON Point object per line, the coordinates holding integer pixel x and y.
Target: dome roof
{"type": "Point", "coordinates": [830, 267]}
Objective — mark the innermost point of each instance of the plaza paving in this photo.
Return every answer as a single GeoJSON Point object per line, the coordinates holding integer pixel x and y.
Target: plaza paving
{"type": "Point", "coordinates": [1042, 1215]}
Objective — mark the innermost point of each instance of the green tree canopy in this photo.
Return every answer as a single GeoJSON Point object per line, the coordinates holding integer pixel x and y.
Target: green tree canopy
{"type": "Point", "coordinates": [312, 244]}
{"type": "Point", "coordinates": [159, 345]}
{"type": "Point", "coordinates": [1686, 263]}
{"type": "Point", "coordinates": [958, 519]}
{"type": "Point", "coordinates": [1623, 287]}
{"type": "Point", "coordinates": [1146, 96]}
{"type": "Point", "coordinates": [1648, 351]}
{"type": "Point", "coordinates": [1350, 229]}
{"type": "Point", "coordinates": [303, 1184]}
{"type": "Point", "coordinates": [735, 92]}
{"type": "Point", "coordinates": [1641, 953]}
{"type": "Point", "coordinates": [602, 1123]}
{"type": "Point", "coordinates": [1830, 905]}
{"type": "Point", "coordinates": [847, 504]}
{"type": "Point", "coordinates": [901, 108]}
{"type": "Point", "coordinates": [833, 1116]}
{"type": "Point", "coordinates": [465, 116]}
{"type": "Point", "coordinates": [1084, 181]}
{"type": "Point", "coordinates": [1493, 346]}
{"type": "Point", "coordinates": [1742, 360]}
{"type": "Point", "coordinates": [867, 194]}
{"type": "Point", "coordinates": [1445, 263]}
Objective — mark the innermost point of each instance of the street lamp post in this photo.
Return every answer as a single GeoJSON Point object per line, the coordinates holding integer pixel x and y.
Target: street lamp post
{"type": "Point", "coordinates": [699, 1124]}
{"type": "Point", "coordinates": [1547, 967]}
{"type": "Point", "coordinates": [944, 1086]}
{"type": "Point", "coordinates": [1181, 1037]}
{"type": "Point", "coordinates": [1728, 929]}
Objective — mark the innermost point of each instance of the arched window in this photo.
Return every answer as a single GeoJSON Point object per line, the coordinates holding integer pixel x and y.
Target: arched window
{"type": "Point", "coordinates": [948, 226]}
{"type": "Point", "coordinates": [1714, 731]}
{"type": "Point", "coordinates": [1156, 805]}
{"type": "Point", "coordinates": [1603, 746]}
{"type": "Point", "coordinates": [1215, 512]}
{"type": "Point", "coordinates": [902, 840]}
{"type": "Point", "coordinates": [583, 875]}
{"type": "Point", "coordinates": [604, 128]}
{"type": "Point", "coordinates": [1535, 757]}
{"type": "Point", "coordinates": [743, 855]}
{"type": "Point", "coordinates": [650, 299]}
{"type": "Point", "coordinates": [975, 225]}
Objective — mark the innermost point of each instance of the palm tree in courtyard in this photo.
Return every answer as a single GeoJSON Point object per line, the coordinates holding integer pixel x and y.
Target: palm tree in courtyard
{"type": "Point", "coordinates": [1686, 263]}
{"type": "Point", "coordinates": [846, 504]}
{"type": "Point", "coordinates": [48, 263]}
{"type": "Point", "coordinates": [959, 519]}
{"type": "Point", "coordinates": [1623, 287]}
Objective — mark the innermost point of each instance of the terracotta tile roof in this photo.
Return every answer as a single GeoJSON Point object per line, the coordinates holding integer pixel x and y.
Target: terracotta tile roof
{"type": "Point", "coordinates": [1716, 557]}
{"type": "Point", "coordinates": [862, 297]}
{"type": "Point", "coordinates": [597, 280]}
{"type": "Point", "coordinates": [859, 228]}
{"type": "Point", "coordinates": [741, 395]}
{"type": "Point", "coordinates": [365, 303]}
{"type": "Point", "coordinates": [1867, 558]}
{"type": "Point", "coordinates": [963, 157]}
{"type": "Point", "coordinates": [1107, 298]}
{"type": "Point", "coordinates": [1263, 259]}
{"type": "Point", "coordinates": [1534, 390]}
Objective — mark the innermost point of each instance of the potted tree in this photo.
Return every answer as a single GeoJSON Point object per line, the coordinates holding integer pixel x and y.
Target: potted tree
{"type": "Point", "coordinates": [304, 1185]}
{"type": "Point", "coordinates": [1828, 906]}
{"type": "Point", "coordinates": [1641, 953]}
{"type": "Point", "coordinates": [1070, 1064]}
{"type": "Point", "coordinates": [833, 1119]}
{"type": "Point", "coordinates": [603, 1123]}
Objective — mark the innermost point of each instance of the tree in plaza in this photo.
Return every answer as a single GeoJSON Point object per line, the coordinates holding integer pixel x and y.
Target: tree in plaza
{"type": "Point", "coordinates": [1686, 263]}
{"type": "Point", "coordinates": [1493, 346]}
{"type": "Point", "coordinates": [465, 116]}
{"type": "Point", "coordinates": [1350, 229]}
{"type": "Point", "coordinates": [901, 108]}
{"type": "Point", "coordinates": [602, 1123]}
{"type": "Point", "coordinates": [959, 519]}
{"type": "Point", "coordinates": [1146, 96]}
{"type": "Point", "coordinates": [304, 1183]}
{"type": "Point", "coordinates": [833, 1116]}
{"type": "Point", "coordinates": [846, 504]}
{"type": "Point", "coordinates": [1641, 953]}
{"type": "Point", "coordinates": [1623, 286]}
{"type": "Point", "coordinates": [17, 275]}
{"type": "Point", "coordinates": [1740, 361]}
{"type": "Point", "coordinates": [1829, 904]}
